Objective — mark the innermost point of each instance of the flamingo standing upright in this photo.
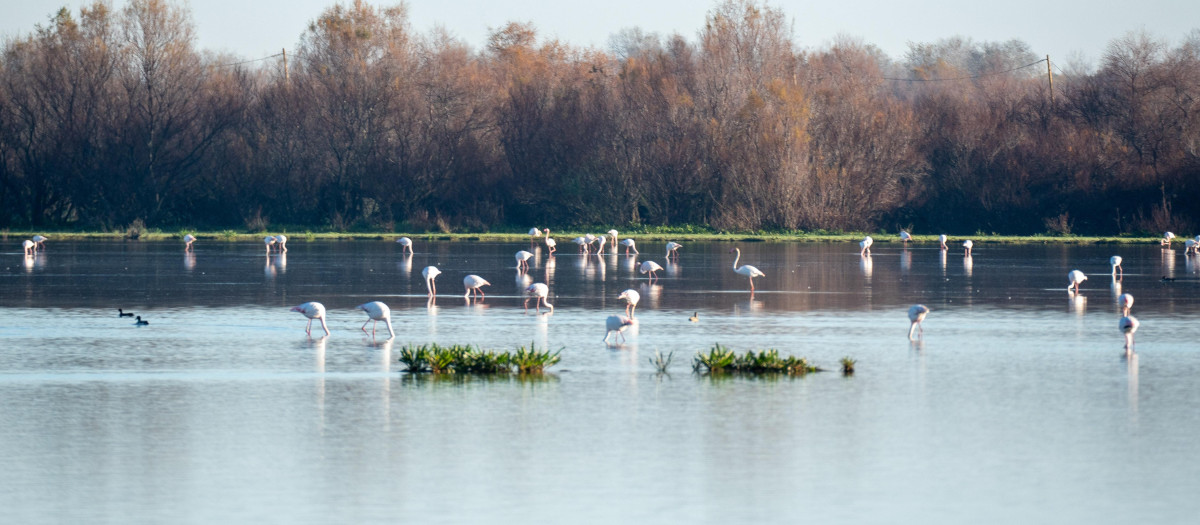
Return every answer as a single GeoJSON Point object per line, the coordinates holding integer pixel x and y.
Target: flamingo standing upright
{"type": "Point", "coordinates": [747, 270]}
{"type": "Point", "coordinates": [1125, 301]}
{"type": "Point", "coordinates": [649, 267]}
{"type": "Point", "coordinates": [281, 243]}
{"type": "Point", "coordinates": [474, 283]}
{"type": "Point", "coordinates": [540, 292]}
{"type": "Point", "coordinates": [629, 245]}
{"type": "Point", "coordinates": [312, 310]}
{"type": "Point", "coordinates": [187, 242]}
{"type": "Point", "coordinates": [916, 314]}
{"type": "Point", "coordinates": [618, 324]}
{"type": "Point", "coordinates": [377, 311]}
{"type": "Point", "coordinates": [1115, 261]}
{"type": "Point", "coordinates": [523, 259]}
{"type": "Point", "coordinates": [405, 245]}
{"type": "Point", "coordinates": [551, 244]}
{"type": "Point", "coordinates": [905, 237]}
{"type": "Point", "coordinates": [631, 298]}
{"type": "Point", "coordinates": [1128, 325]}
{"type": "Point", "coordinates": [967, 245]}
{"type": "Point", "coordinates": [269, 241]}
{"type": "Point", "coordinates": [430, 273]}
{"type": "Point", "coordinates": [864, 246]}
{"type": "Point", "coordinates": [673, 250]}
{"type": "Point", "coordinates": [942, 241]}
{"type": "Point", "coordinates": [1075, 277]}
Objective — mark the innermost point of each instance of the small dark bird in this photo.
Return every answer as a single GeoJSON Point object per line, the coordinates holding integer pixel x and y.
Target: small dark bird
{"type": "Point", "coordinates": [140, 322]}
{"type": "Point", "coordinates": [1166, 279]}
{"type": "Point", "coordinates": [695, 317]}
{"type": "Point", "coordinates": [122, 313]}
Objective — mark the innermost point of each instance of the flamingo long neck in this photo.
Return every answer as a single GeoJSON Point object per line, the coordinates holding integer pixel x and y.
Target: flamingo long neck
{"type": "Point", "coordinates": [736, 258]}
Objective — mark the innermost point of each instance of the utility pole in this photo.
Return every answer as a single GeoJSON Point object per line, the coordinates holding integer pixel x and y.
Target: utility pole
{"type": "Point", "coordinates": [1050, 77]}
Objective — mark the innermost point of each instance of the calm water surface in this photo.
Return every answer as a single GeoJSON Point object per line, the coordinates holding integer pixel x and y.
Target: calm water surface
{"type": "Point", "coordinates": [1017, 407]}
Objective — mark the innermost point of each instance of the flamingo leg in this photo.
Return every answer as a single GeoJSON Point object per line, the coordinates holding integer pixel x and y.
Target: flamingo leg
{"type": "Point", "coordinates": [324, 327]}
{"type": "Point", "coordinates": [364, 326]}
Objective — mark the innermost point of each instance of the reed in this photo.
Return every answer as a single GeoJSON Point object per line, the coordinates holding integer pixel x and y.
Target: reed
{"type": "Point", "coordinates": [466, 359]}
{"type": "Point", "coordinates": [661, 363]}
{"type": "Point", "coordinates": [848, 366]}
{"type": "Point", "coordinates": [720, 359]}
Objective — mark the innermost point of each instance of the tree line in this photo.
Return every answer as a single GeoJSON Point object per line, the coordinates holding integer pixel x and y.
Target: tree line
{"type": "Point", "coordinates": [113, 116]}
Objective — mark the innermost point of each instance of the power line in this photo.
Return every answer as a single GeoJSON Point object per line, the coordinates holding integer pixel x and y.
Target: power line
{"type": "Point", "coordinates": [966, 77]}
{"type": "Point", "coordinates": [249, 61]}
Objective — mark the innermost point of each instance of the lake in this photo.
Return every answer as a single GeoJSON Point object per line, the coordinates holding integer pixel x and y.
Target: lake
{"type": "Point", "coordinates": [1018, 406]}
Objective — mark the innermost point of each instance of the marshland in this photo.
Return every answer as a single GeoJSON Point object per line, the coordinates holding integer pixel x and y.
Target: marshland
{"type": "Point", "coordinates": [223, 407]}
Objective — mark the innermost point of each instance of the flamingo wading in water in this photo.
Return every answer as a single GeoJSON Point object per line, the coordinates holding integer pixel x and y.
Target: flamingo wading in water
{"type": "Point", "coordinates": [673, 250]}
{"type": "Point", "coordinates": [1115, 261]}
{"type": "Point", "coordinates": [377, 311]}
{"type": "Point", "coordinates": [474, 283]}
{"type": "Point", "coordinates": [187, 242]}
{"type": "Point", "coordinates": [1125, 301]}
{"type": "Point", "coordinates": [747, 270]}
{"type": "Point", "coordinates": [1128, 325]}
{"type": "Point", "coordinates": [618, 324]}
{"type": "Point", "coordinates": [1075, 277]}
{"type": "Point", "coordinates": [430, 273]}
{"type": "Point", "coordinates": [905, 237]}
{"type": "Point", "coordinates": [539, 291]}
{"type": "Point", "coordinates": [942, 241]}
{"type": "Point", "coordinates": [629, 245]}
{"type": "Point", "coordinates": [523, 259]}
{"type": "Point", "coordinates": [864, 246]}
{"type": "Point", "coordinates": [649, 267]}
{"type": "Point", "coordinates": [269, 241]}
{"type": "Point", "coordinates": [312, 310]}
{"type": "Point", "coordinates": [967, 245]}
{"type": "Point", "coordinates": [631, 298]}
{"type": "Point", "coordinates": [405, 245]}
{"type": "Point", "coordinates": [916, 314]}
{"type": "Point", "coordinates": [551, 244]}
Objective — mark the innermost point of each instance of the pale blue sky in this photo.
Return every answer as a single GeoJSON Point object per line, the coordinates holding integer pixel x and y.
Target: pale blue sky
{"type": "Point", "coordinates": [1062, 29]}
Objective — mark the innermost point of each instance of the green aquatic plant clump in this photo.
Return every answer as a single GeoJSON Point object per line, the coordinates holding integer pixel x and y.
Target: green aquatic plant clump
{"type": "Point", "coordinates": [466, 359]}
{"type": "Point", "coordinates": [721, 359]}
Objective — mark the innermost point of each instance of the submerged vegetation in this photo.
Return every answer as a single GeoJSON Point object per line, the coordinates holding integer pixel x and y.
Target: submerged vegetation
{"type": "Point", "coordinates": [372, 126]}
{"type": "Point", "coordinates": [721, 360]}
{"type": "Point", "coordinates": [466, 359]}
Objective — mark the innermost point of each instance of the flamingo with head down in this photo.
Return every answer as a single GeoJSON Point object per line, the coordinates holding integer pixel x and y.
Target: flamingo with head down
{"type": "Point", "coordinates": [312, 310]}
{"type": "Point", "coordinates": [540, 292]}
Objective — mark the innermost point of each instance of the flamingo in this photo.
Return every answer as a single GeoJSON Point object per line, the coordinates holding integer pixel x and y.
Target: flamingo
{"type": "Point", "coordinates": [1128, 325]}
{"type": "Point", "coordinates": [551, 244]}
{"type": "Point", "coordinates": [942, 240]}
{"type": "Point", "coordinates": [534, 233]}
{"type": "Point", "coordinates": [523, 259]}
{"type": "Point", "coordinates": [865, 246]}
{"type": "Point", "coordinates": [649, 267]}
{"type": "Point", "coordinates": [1167, 238]}
{"type": "Point", "coordinates": [916, 314]}
{"type": "Point", "coordinates": [631, 298]}
{"type": "Point", "coordinates": [29, 246]}
{"type": "Point", "coordinates": [673, 249]}
{"type": "Point", "coordinates": [1075, 277]}
{"type": "Point", "coordinates": [618, 324]}
{"type": "Point", "coordinates": [268, 241]}
{"type": "Point", "coordinates": [613, 243]}
{"type": "Point", "coordinates": [905, 237]}
{"type": "Point", "coordinates": [1115, 261]}
{"type": "Point", "coordinates": [1189, 246]}
{"type": "Point", "coordinates": [582, 242]}
{"type": "Point", "coordinates": [312, 310]}
{"type": "Point", "coordinates": [600, 241]}
{"type": "Point", "coordinates": [38, 242]}
{"type": "Point", "coordinates": [187, 242]}
{"type": "Point", "coordinates": [629, 245]}
{"type": "Point", "coordinates": [967, 244]}
{"type": "Point", "coordinates": [541, 292]}
{"type": "Point", "coordinates": [281, 243]}
{"type": "Point", "coordinates": [747, 270]}
{"type": "Point", "coordinates": [405, 244]}
{"type": "Point", "coordinates": [1125, 300]}
{"type": "Point", "coordinates": [141, 322]}
{"type": "Point", "coordinates": [377, 311]}
{"type": "Point", "coordinates": [474, 283]}
{"type": "Point", "coordinates": [123, 313]}
{"type": "Point", "coordinates": [429, 273]}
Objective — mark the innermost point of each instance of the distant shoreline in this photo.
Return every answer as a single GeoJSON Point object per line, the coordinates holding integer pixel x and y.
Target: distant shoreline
{"type": "Point", "coordinates": [293, 237]}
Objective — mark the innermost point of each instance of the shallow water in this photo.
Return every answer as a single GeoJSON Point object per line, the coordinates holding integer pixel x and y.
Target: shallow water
{"type": "Point", "coordinates": [1018, 406]}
